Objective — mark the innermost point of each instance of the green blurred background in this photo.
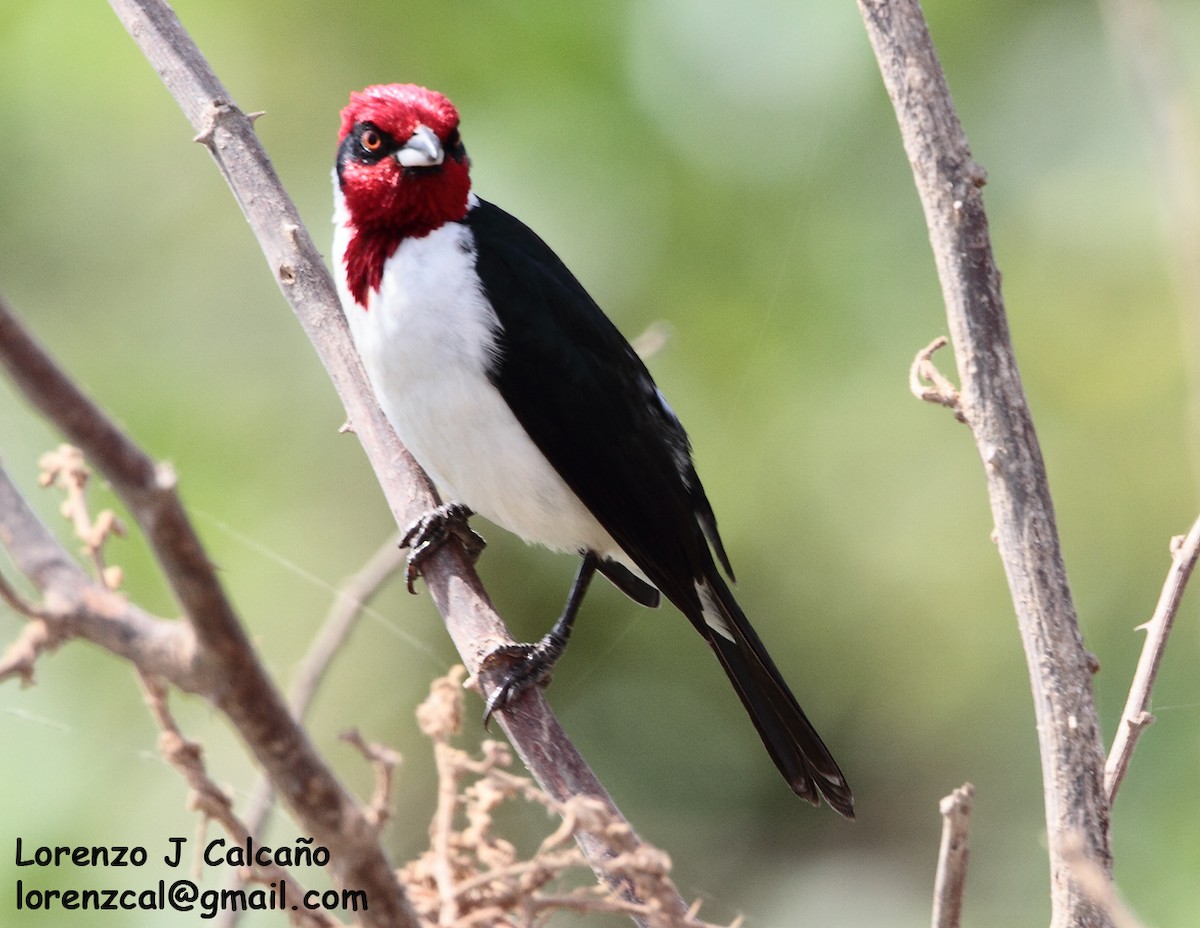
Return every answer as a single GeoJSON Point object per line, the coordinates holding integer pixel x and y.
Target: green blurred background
{"type": "Point", "coordinates": [731, 170]}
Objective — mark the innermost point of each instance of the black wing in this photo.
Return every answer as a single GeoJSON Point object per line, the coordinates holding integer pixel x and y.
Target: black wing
{"type": "Point", "coordinates": [591, 407]}
{"type": "Point", "coordinates": [589, 404]}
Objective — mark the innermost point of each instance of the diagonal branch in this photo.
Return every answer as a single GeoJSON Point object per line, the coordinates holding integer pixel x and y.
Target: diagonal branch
{"type": "Point", "coordinates": [209, 653]}
{"type": "Point", "coordinates": [993, 404]}
{"type": "Point", "coordinates": [471, 620]}
{"type": "Point", "coordinates": [1136, 716]}
{"type": "Point", "coordinates": [348, 606]}
{"type": "Point", "coordinates": [76, 605]}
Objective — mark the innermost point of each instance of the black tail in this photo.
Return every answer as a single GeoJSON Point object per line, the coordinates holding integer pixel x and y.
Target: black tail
{"type": "Point", "coordinates": [791, 740]}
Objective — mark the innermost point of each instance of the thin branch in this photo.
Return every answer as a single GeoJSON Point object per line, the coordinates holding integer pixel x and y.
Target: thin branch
{"type": "Point", "coordinates": [993, 404]}
{"type": "Point", "coordinates": [209, 800]}
{"type": "Point", "coordinates": [471, 620]}
{"type": "Point", "coordinates": [76, 605]}
{"type": "Point", "coordinates": [384, 761]}
{"type": "Point", "coordinates": [953, 855]}
{"type": "Point", "coordinates": [343, 616]}
{"type": "Point", "coordinates": [1136, 717]}
{"type": "Point", "coordinates": [224, 666]}
{"type": "Point", "coordinates": [348, 605]}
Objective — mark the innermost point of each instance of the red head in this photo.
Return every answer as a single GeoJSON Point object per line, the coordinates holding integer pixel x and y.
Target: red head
{"type": "Point", "coordinates": [402, 170]}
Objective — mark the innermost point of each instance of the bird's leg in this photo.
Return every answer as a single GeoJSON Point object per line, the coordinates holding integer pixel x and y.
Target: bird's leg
{"type": "Point", "coordinates": [526, 665]}
{"type": "Point", "coordinates": [433, 530]}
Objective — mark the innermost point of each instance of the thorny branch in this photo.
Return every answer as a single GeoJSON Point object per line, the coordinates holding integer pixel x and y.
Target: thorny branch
{"type": "Point", "coordinates": [211, 655]}
{"type": "Point", "coordinates": [471, 620]}
{"type": "Point", "coordinates": [348, 605]}
{"type": "Point", "coordinates": [208, 652]}
{"type": "Point", "coordinates": [992, 402]}
{"type": "Point", "coordinates": [211, 801]}
{"type": "Point", "coordinates": [1136, 716]}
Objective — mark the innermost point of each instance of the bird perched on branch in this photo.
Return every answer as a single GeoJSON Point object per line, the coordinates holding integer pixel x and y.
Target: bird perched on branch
{"type": "Point", "coordinates": [523, 403]}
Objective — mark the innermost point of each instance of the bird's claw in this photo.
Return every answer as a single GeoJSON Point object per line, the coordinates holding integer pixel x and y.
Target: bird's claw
{"type": "Point", "coordinates": [433, 530]}
{"type": "Point", "coordinates": [520, 667]}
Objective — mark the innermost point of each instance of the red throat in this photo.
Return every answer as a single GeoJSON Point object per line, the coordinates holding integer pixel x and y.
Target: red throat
{"type": "Point", "coordinates": [386, 202]}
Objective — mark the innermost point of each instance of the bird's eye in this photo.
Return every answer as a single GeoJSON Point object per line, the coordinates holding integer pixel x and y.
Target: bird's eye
{"type": "Point", "coordinates": [371, 141]}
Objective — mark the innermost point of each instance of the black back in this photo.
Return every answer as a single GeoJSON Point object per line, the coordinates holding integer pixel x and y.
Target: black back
{"type": "Point", "coordinates": [591, 407]}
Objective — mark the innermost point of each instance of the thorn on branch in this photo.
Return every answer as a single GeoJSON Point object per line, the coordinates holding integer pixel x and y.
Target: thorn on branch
{"type": "Point", "coordinates": [218, 111]}
{"type": "Point", "coordinates": [927, 383]}
{"type": "Point", "coordinates": [1136, 716]}
{"type": "Point", "coordinates": [384, 760]}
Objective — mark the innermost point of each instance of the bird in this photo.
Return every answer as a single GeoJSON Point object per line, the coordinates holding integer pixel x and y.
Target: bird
{"type": "Point", "coordinates": [524, 404]}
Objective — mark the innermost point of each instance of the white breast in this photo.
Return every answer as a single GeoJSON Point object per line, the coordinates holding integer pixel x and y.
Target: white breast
{"type": "Point", "coordinates": [426, 339]}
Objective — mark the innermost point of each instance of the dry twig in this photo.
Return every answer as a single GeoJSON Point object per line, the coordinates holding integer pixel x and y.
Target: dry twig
{"type": "Point", "coordinates": [66, 469]}
{"type": "Point", "coordinates": [953, 855]}
{"type": "Point", "coordinates": [939, 390]}
{"type": "Point", "coordinates": [208, 653]}
{"type": "Point", "coordinates": [1136, 716]}
{"type": "Point", "coordinates": [384, 761]}
{"type": "Point", "coordinates": [212, 802]}
{"type": "Point", "coordinates": [472, 876]}
{"type": "Point", "coordinates": [75, 605]}
{"type": "Point", "coordinates": [993, 404]}
{"type": "Point", "coordinates": [302, 277]}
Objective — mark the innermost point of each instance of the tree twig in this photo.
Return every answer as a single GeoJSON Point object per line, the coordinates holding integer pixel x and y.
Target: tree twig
{"type": "Point", "coordinates": [348, 604]}
{"type": "Point", "coordinates": [187, 757]}
{"type": "Point", "coordinates": [953, 855]}
{"type": "Point", "coordinates": [993, 404]}
{"type": "Point", "coordinates": [1136, 717]}
{"type": "Point", "coordinates": [343, 616]}
{"type": "Point", "coordinates": [471, 620]}
{"type": "Point", "coordinates": [76, 605]}
{"type": "Point", "coordinates": [213, 656]}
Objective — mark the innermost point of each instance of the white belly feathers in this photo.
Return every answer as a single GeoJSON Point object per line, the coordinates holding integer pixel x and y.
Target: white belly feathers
{"type": "Point", "coordinates": [426, 340]}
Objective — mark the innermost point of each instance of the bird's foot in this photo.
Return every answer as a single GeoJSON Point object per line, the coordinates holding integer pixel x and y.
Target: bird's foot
{"type": "Point", "coordinates": [518, 668]}
{"type": "Point", "coordinates": [433, 530]}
